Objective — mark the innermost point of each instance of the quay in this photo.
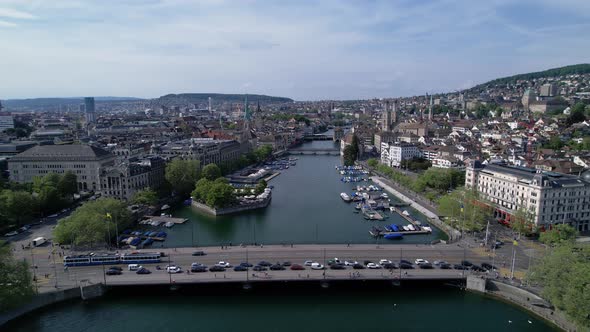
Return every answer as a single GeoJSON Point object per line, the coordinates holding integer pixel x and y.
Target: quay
{"type": "Point", "coordinates": [381, 234]}
{"type": "Point", "coordinates": [164, 219]}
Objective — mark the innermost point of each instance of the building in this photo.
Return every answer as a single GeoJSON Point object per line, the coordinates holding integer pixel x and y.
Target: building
{"type": "Point", "coordinates": [122, 181]}
{"type": "Point", "coordinates": [548, 90]}
{"type": "Point", "coordinates": [205, 150]}
{"type": "Point", "coordinates": [550, 198]}
{"type": "Point", "coordinates": [89, 108]}
{"type": "Point", "coordinates": [338, 134]}
{"type": "Point", "coordinates": [528, 98]}
{"type": "Point", "coordinates": [393, 154]}
{"type": "Point", "coordinates": [83, 160]}
{"type": "Point", "coordinates": [548, 106]}
{"type": "Point", "coordinates": [6, 122]}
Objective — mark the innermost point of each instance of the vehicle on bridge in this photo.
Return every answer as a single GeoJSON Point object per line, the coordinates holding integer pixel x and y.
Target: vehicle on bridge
{"type": "Point", "coordinates": [110, 258]}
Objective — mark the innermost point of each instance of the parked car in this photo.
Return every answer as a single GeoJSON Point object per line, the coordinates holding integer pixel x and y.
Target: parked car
{"type": "Point", "coordinates": [199, 253]}
{"type": "Point", "coordinates": [224, 264]}
{"type": "Point", "coordinates": [112, 272]}
{"type": "Point", "coordinates": [365, 263]}
{"type": "Point", "coordinates": [246, 264]}
{"type": "Point", "coordinates": [466, 263]}
{"type": "Point", "coordinates": [317, 266]}
{"type": "Point", "coordinates": [426, 266]}
{"type": "Point", "coordinates": [460, 267]}
{"type": "Point", "coordinates": [406, 266]}
{"type": "Point", "coordinates": [338, 267]}
{"type": "Point", "coordinates": [384, 261]}
{"type": "Point", "coordinates": [350, 263]}
{"type": "Point", "coordinates": [420, 261]}
{"type": "Point", "coordinates": [358, 266]}
{"type": "Point", "coordinates": [259, 268]}
{"type": "Point", "coordinates": [264, 263]}
{"type": "Point", "coordinates": [118, 268]}
{"type": "Point", "coordinates": [198, 269]}
{"type": "Point", "coordinates": [373, 266]}
{"type": "Point", "coordinates": [477, 268]}
{"type": "Point", "coordinates": [216, 268]}
{"type": "Point", "coordinates": [445, 266]}
{"type": "Point", "coordinates": [277, 267]}
{"type": "Point", "coordinates": [405, 261]}
{"type": "Point", "coordinates": [307, 263]}
{"type": "Point", "coordinates": [287, 263]}
{"type": "Point", "coordinates": [389, 266]}
{"type": "Point", "coordinates": [143, 270]}
{"type": "Point", "coordinates": [297, 267]}
{"type": "Point", "coordinates": [438, 263]}
{"type": "Point", "coordinates": [173, 269]}
{"type": "Point", "coordinates": [240, 268]}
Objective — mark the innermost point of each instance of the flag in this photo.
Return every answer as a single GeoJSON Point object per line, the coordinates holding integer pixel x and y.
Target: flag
{"type": "Point", "coordinates": [109, 216]}
{"type": "Point", "coordinates": [515, 242]}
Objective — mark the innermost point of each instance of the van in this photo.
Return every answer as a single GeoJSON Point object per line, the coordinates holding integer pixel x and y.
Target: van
{"type": "Point", "coordinates": [39, 241]}
{"type": "Point", "coordinates": [134, 267]}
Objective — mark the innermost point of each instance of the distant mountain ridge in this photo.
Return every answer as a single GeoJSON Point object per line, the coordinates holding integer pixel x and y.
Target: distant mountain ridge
{"type": "Point", "coordinates": [583, 68]}
{"type": "Point", "coordinates": [198, 98]}
{"type": "Point", "coordinates": [51, 102]}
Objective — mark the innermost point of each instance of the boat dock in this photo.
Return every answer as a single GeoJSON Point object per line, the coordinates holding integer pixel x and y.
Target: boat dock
{"type": "Point", "coordinates": [381, 234]}
{"type": "Point", "coordinates": [163, 219]}
{"type": "Point", "coordinates": [272, 176]}
{"type": "Point", "coordinates": [407, 217]}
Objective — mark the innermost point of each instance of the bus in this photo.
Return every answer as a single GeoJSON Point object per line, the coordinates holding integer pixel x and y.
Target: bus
{"type": "Point", "coordinates": [111, 258]}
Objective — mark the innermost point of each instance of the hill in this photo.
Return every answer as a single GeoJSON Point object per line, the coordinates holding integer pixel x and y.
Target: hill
{"type": "Point", "coordinates": [54, 102]}
{"type": "Point", "coordinates": [201, 98]}
{"type": "Point", "coordinates": [561, 71]}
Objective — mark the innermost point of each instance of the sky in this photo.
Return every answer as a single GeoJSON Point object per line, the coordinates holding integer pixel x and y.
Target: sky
{"type": "Point", "coordinates": [302, 49]}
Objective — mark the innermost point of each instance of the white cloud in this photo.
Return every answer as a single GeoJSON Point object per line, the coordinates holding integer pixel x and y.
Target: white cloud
{"type": "Point", "coordinates": [7, 24]}
{"type": "Point", "coordinates": [16, 14]}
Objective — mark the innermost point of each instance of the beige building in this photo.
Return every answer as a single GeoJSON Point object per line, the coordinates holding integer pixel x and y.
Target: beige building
{"type": "Point", "coordinates": [551, 198]}
{"type": "Point", "coordinates": [125, 179]}
{"type": "Point", "coordinates": [83, 160]}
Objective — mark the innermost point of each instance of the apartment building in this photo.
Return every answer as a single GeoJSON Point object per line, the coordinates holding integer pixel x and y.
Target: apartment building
{"type": "Point", "coordinates": [392, 154]}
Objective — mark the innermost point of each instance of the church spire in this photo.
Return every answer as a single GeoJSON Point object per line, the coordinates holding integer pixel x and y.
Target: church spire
{"type": "Point", "coordinates": [247, 114]}
{"type": "Point", "coordinates": [430, 110]}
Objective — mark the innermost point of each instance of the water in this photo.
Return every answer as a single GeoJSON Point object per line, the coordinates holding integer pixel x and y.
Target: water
{"type": "Point", "coordinates": [306, 208]}
{"type": "Point", "coordinates": [312, 309]}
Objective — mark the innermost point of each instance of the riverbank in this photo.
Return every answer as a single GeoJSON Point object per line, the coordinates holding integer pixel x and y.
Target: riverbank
{"type": "Point", "coordinates": [452, 233]}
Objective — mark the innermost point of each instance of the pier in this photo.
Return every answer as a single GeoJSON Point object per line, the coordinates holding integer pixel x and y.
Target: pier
{"type": "Point", "coordinates": [381, 234]}
{"type": "Point", "coordinates": [164, 219]}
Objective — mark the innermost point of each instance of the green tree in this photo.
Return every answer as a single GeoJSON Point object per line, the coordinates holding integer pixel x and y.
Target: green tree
{"type": "Point", "coordinates": [68, 184]}
{"type": "Point", "coordinates": [220, 195]}
{"type": "Point", "coordinates": [182, 175]}
{"type": "Point", "coordinates": [16, 280]}
{"type": "Point", "coordinates": [211, 172]}
{"type": "Point", "coordinates": [372, 162]}
{"type": "Point", "coordinates": [17, 206]}
{"type": "Point", "coordinates": [523, 222]}
{"type": "Point", "coordinates": [465, 210]}
{"type": "Point", "coordinates": [349, 155]}
{"type": "Point", "coordinates": [201, 188]}
{"type": "Point", "coordinates": [576, 114]}
{"type": "Point", "coordinates": [90, 224]}
{"type": "Point", "coordinates": [260, 187]}
{"type": "Point", "coordinates": [146, 197]}
{"type": "Point", "coordinates": [561, 233]}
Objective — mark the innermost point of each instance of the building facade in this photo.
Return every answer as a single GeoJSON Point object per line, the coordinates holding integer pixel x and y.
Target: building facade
{"type": "Point", "coordinates": [127, 178]}
{"type": "Point", "coordinates": [6, 122]}
{"type": "Point", "coordinates": [550, 198]}
{"type": "Point", "coordinates": [89, 109]}
{"type": "Point", "coordinates": [84, 161]}
{"type": "Point", "coordinates": [392, 154]}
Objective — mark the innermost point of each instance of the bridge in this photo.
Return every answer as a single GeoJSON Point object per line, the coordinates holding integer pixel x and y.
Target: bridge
{"type": "Point", "coordinates": [318, 137]}
{"type": "Point", "coordinates": [328, 152]}
{"type": "Point", "coordinates": [51, 274]}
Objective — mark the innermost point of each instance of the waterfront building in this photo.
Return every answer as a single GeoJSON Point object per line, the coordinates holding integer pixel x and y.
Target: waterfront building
{"type": "Point", "coordinates": [205, 150]}
{"type": "Point", "coordinates": [392, 154]}
{"type": "Point", "coordinates": [89, 109]}
{"type": "Point", "coordinates": [84, 161]}
{"type": "Point", "coordinates": [123, 180]}
{"type": "Point", "coordinates": [550, 198]}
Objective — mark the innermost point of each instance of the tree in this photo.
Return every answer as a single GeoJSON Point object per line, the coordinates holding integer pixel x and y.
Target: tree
{"type": "Point", "coordinates": [68, 184]}
{"type": "Point", "coordinates": [349, 155]}
{"type": "Point", "coordinates": [260, 187]}
{"type": "Point", "coordinates": [465, 209]}
{"type": "Point", "coordinates": [220, 195]}
{"type": "Point", "coordinates": [17, 206]}
{"type": "Point", "coordinates": [372, 162]}
{"type": "Point", "coordinates": [211, 172]}
{"type": "Point", "coordinates": [16, 280]}
{"type": "Point", "coordinates": [560, 233]}
{"type": "Point", "coordinates": [90, 224]}
{"type": "Point", "coordinates": [182, 175]}
{"type": "Point", "coordinates": [146, 197]}
{"type": "Point", "coordinates": [576, 114]}
{"type": "Point", "coordinates": [201, 188]}
{"type": "Point", "coordinates": [523, 222]}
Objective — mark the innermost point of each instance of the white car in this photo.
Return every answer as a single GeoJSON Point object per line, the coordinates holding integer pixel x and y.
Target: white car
{"type": "Point", "coordinates": [316, 266]}
{"type": "Point", "coordinates": [336, 260]}
{"type": "Point", "coordinates": [224, 264]}
{"type": "Point", "coordinates": [437, 263]}
{"type": "Point", "coordinates": [420, 261]}
{"type": "Point", "coordinates": [13, 233]}
{"type": "Point", "coordinates": [373, 266]}
{"type": "Point", "coordinates": [350, 263]}
{"type": "Point", "coordinates": [384, 261]}
{"type": "Point", "coordinates": [308, 263]}
{"type": "Point", "coordinates": [173, 269]}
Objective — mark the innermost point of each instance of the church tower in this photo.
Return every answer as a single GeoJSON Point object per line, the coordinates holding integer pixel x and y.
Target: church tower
{"type": "Point", "coordinates": [386, 118]}
{"type": "Point", "coordinates": [430, 110]}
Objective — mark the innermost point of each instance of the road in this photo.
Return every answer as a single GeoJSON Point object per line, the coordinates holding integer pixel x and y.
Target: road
{"type": "Point", "coordinates": [47, 271]}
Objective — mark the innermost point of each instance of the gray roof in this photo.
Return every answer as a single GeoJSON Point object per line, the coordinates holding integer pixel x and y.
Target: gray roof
{"type": "Point", "coordinates": [56, 152]}
{"type": "Point", "coordinates": [555, 179]}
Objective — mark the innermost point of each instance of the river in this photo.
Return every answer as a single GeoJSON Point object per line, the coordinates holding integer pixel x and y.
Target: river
{"type": "Point", "coordinates": [310, 308]}
{"type": "Point", "coordinates": [306, 208]}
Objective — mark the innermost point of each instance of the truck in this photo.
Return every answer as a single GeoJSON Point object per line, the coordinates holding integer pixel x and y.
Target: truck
{"type": "Point", "coordinates": [39, 241]}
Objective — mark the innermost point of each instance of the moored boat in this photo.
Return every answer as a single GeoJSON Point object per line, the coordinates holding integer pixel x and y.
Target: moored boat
{"type": "Point", "coordinates": [345, 197]}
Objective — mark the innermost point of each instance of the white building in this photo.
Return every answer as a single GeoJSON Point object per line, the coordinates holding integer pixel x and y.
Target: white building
{"type": "Point", "coordinates": [392, 154]}
{"type": "Point", "coordinates": [552, 198]}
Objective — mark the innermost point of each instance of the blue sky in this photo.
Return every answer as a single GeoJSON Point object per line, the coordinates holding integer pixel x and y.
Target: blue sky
{"type": "Point", "coordinates": [306, 50]}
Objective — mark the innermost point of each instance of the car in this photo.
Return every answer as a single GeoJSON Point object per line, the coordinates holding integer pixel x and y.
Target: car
{"type": "Point", "coordinates": [365, 263]}
{"type": "Point", "coordinates": [264, 263]}
{"type": "Point", "coordinates": [297, 267]}
{"type": "Point", "coordinates": [438, 263]}
{"type": "Point", "coordinates": [445, 266]}
{"type": "Point", "coordinates": [198, 269]}
{"type": "Point", "coordinates": [240, 268]}
{"type": "Point", "coordinates": [118, 268]}
{"type": "Point", "coordinates": [246, 264]}
{"type": "Point", "coordinates": [338, 267]}
{"type": "Point", "coordinates": [199, 253]}
{"type": "Point", "coordinates": [426, 266]}
{"type": "Point", "coordinates": [478, 268]}
{"type": "Point", "coordinates": [173, 269]}
{"type": "Point", "coordinates": [13, 233]}
{"type": "Point", "coordinates": [406, 266]}
{"type": "Point", "coordinates": [111, 272]}
{"type": "Point", "coordinates": [196, 264]}
{"type": "Point", "coordinates": [488, 266]}
{"type": "Point", "coordinates": [499, 243]}
{"type": "Point", "coordinates": [287, 263]}
{"type": "Point", "coordinates": [143, 270]}
{"type": "Point", "coordinates": [259, 268]}
{"type": "Point", "coordinates": [384, 261]}
{"type": "Point", "coordinates": [350, 263]}
{"type": "Point", "coordinates": [217, 268]}
{"type": "Point", "coordinates": [358, 266]}
{"type": "Point", "coordinates": [373, 266]}
{"type": "Point", "coordinates": [307, 263]}
{"type": "Point", "coordinates": [405, 262]}
{"type": "Point", "coordinates": [224, 264]}
{"type": "Point", "coordinates": [277, 267]}
{"type": "Point", "coordinates": [389, 266]}
{"type": "Point", "coordinates": [466, 263]}
{"type": "Point", "coordinates": [459, 267]}
{"type": "Point", "coordinates": [334, 261]}
{"type": "Point", "coordinates": [134, 267]}
{"type": "Point", "coordinates": [317, 266]}
{"type": "Point", "coordinates": [420, 261]}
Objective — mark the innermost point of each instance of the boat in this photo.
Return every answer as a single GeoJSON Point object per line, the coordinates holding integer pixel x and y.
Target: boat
{"type": "Point", "coordinates": [406, 213]}
{"type": "Point", "coordinates": [394, 236]}
{"type": "Point", "coordinates": [411, 227]}
{"type": "Point", "coordinates": [165, 207]}
{"type": "Point", "coordinates": [358, 206]}
{"type": "Point", "coordinates": [152, 234]}
{"type": "Point", "coordinates": [388, 228]}
{"type": "Point", "coordinates": [169, 224]}
{"type": "Point", "coordinates": [345, 197]}
{"type": "Point", "coordinates": [147, 242]}
{"type": "Point", "coordinates": [394, 228]}
{"type": "Point", "coordinates": [405, 227]}
{"type": "Point", "coordinates": [384, 195]}
{"type": "Point", "coordinates": [427, 228]}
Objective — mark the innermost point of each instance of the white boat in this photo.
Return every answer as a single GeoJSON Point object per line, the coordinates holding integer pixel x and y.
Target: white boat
{"type": "Point", "coordinates": [405, 228]}
{"type": "Point", "coordinates": [411, 227]}
{"type": "Point", "coordinates": [345, 197]}
{"type": "Point", "coordinates": [392, 209]}
{"type": "Point", "coordinates": [169, 224]}
{"type": "Point", "coordinates": [427, 228]}
{"type": "Point", "coordinates": [384, 195]}
{"type": "Point", "coordinates": [406, 213]}
{"type": "Point", "coordinates": [165, 207]}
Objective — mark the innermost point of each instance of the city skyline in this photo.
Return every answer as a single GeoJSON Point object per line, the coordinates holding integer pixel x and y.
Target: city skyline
{"type": "Point", "coordinates": [302, 50]}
